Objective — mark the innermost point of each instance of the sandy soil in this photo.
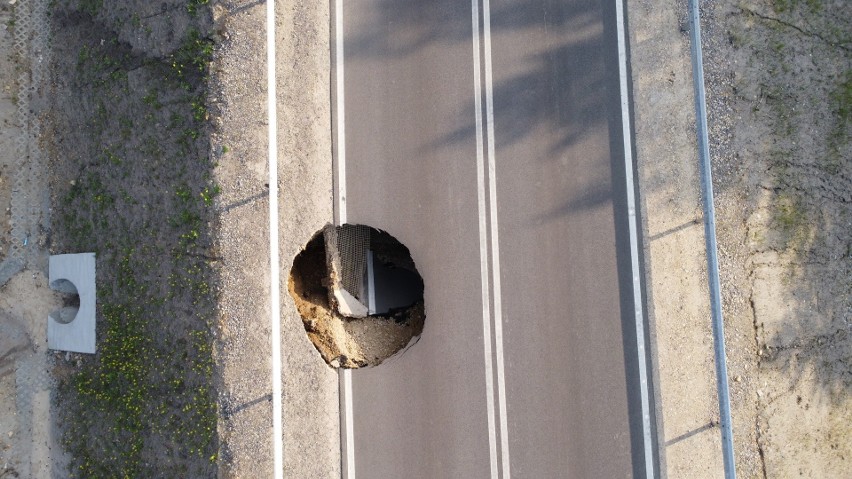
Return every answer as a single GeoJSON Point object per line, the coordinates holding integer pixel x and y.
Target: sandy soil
{"type": "Point", "coordinates": [29, 436]}
{"type": "Point", "coordinates": [29, 433]}
{"type": "Point", "coordinates": [782, 83]}
{"type": "Point", "coordinates": [676, 266]}
{"type": "Point", "coordinates": [778, 80]}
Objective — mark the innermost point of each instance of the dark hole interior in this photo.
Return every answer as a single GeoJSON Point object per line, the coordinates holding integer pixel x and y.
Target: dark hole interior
{"type": "Point", "coordinates": [396, 283]}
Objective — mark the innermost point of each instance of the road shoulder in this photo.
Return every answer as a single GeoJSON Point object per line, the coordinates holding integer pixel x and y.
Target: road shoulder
{"type": "Point", "coordinates": [310, 401]}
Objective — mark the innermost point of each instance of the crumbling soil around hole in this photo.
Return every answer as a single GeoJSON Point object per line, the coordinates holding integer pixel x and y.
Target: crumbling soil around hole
{"type": "Point", "coordinates": [352, 342]}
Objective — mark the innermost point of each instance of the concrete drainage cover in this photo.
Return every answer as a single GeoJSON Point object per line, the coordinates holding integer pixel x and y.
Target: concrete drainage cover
{"type": "Point", "coordinates": [72, 328]}
{"type": "Point", "coordinates": [359, 294]}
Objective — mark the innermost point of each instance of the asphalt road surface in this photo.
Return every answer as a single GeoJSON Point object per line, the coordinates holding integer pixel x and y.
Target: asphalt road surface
{"type": "Point", "coordinates": [489, 138]}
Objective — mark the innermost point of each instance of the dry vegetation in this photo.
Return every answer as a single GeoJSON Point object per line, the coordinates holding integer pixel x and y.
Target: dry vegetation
{"type": "Point", "coordinates": [128, 141]}
{"type": "Point", "coordinates": [784, 67]}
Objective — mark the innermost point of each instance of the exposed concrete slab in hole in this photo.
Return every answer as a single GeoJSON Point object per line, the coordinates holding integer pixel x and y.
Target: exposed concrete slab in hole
{"type": "Point", "coordinates": [346, 291]}
{"type": "Point", "coordinates": [347, 304]}
{"type": "Point", "coordinates": [71, 328]}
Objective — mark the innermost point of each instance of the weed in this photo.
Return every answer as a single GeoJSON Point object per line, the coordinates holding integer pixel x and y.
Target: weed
{"type": "Point", "coordinates": [126, 127]}
{"type": "Point", "coordinates": [737, 39]}
{"type": "Point", "coordinates": [176, 120]}
{"type": "Point", "coordinates": [193, 6]}
{"type": "Point", "coordinates": [191, 133]}
{"type": "Point", "coordinates": [83, 57]}
{"type": "Point", "coordinates": [791, 218]}
{"type": "Point", "coordinates": [92, 7]}
{"type": "Point", "coordinates": [183, 193]}
{"type": "Point", "coordinates": [208, 194]}
{"type": "Point", "coordinates": [780, 6]}
{"type": "Point", "coordinates": [152, 99]}
{"type": "Point", "coordinates": [191, 59]}
{"type": "Point", "coordinates": [199, 109]}
{"type": "Point", "coordinates": [110, 156]}
{"type": "Point", "coordinates": [841, 100]}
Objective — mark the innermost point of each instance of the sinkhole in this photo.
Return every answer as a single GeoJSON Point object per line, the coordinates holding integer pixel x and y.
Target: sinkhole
{"type": "Point", "coordinates": [359, 294]}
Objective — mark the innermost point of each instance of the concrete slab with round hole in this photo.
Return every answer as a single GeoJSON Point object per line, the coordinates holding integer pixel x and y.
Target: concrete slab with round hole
{"type": "Point", "coordinates": [72, 328]}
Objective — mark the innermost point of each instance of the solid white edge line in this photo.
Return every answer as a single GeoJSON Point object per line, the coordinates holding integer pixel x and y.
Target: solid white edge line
{"type": "Point", "coordinates": [347, 436]}
{"type": "Point", "coordinates": [346, 422]}
{"type": "Point", "coordinates": [483, 244]}
{"type": "Point", "coordinates": [341, 116]}
{"type": "Point", "coordinates": [274, 260]}
{"type": "Point", "coordinates": [495, 245]}
{"type": "Point", "coordinates": [634, 240]}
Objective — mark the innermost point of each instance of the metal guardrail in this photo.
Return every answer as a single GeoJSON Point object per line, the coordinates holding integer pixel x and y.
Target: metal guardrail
{"type": "Point", "coordinates": [710, 243]}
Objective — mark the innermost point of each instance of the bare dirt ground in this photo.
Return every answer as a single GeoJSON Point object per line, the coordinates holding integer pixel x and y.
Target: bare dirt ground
{"type": "Point", "coordinates": [784, 67]}
{"type": "Point", "coordinates": [676, 267]}
{"type": "Point", "coordinates": [779, 98]}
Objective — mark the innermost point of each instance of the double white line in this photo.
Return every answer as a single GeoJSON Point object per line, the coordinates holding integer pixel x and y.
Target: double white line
{"type": "Point", "coordinates": [490, 273]}
{"type": "Point", "coordinates": [483, 61]}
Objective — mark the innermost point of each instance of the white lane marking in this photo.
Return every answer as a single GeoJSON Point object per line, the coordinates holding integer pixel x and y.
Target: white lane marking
{"type": "Point", "coordinates": [341, 116]}
{"type": "Point", "coordinates": [347, 436]}
{"type": "Point", "coordinates": [483, 244]}
{"type": "Point", "coordinates": [634, 239]}
{"type": "Point", "coordinates": [274, 260]}
{"type": "Point", "coordinates": [495, 244]}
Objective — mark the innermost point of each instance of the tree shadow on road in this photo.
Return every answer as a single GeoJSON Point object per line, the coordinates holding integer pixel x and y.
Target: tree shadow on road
{"type": "Point", "coordinates": [566, 92]}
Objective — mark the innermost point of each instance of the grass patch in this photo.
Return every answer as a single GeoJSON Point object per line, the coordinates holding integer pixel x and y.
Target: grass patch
{"type": "Point", "coordinates": [781, 6]}
{"type": "Point", "coordinates": [139, 193]}
{"type": "Point", "coordinates": [842, 99]}
{"type": "Point", "coordinates": [792, 220]}
{"type": "Point", "coordinates": [838, 140]}
{"type": "Point", "coordinates": [92, 7]}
